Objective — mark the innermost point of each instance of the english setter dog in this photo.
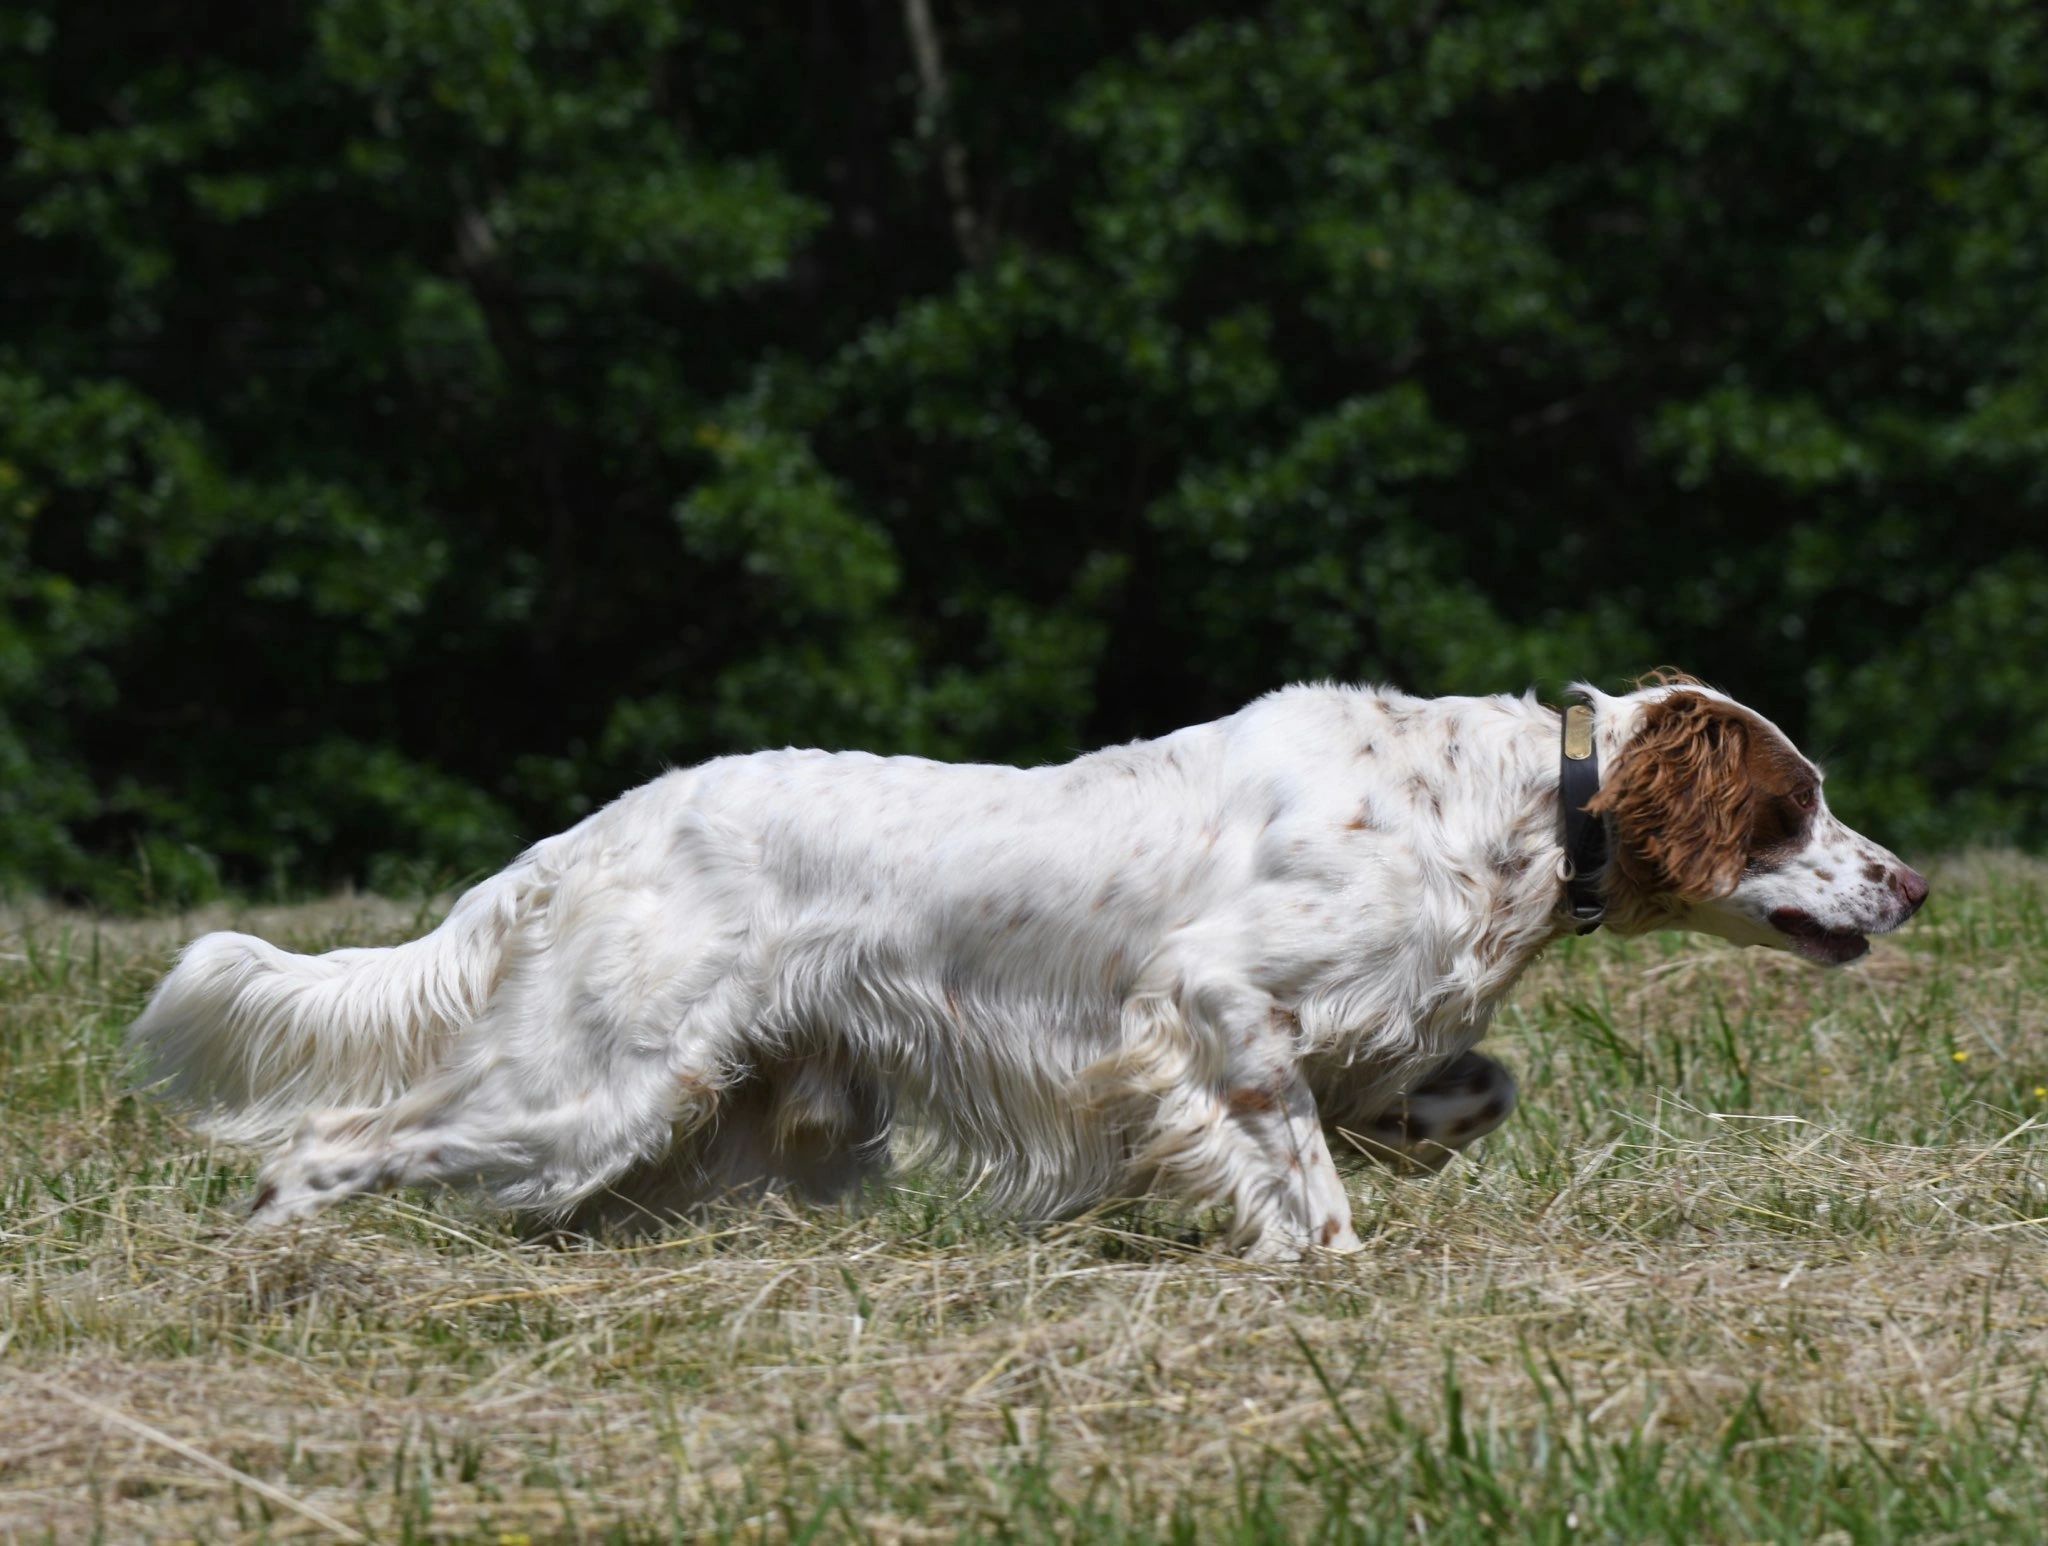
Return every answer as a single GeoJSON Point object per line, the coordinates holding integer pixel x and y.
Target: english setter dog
{"type": "Point", "coordinates": [1179, 966]}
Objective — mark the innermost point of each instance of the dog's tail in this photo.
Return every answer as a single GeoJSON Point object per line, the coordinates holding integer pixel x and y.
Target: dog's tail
{"type": "Point", "coordinates": [248, 1037]}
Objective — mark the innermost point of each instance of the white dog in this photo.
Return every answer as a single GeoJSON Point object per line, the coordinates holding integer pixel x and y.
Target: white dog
{"type": "Point", "coordinates": [1164, 966]}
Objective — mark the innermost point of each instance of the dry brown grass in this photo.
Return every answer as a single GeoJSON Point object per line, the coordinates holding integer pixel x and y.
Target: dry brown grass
{"type": "Point", "coordinates": [1760, 1259]}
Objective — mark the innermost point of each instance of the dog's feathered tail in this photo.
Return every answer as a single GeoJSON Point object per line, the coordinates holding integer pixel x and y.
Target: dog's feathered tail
{"type": "Point", "coordinates": [248, 1037]}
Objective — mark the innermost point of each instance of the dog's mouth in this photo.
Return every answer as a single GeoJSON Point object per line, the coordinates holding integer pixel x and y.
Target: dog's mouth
{"type": "Point", "coordinates": [1815, 941]}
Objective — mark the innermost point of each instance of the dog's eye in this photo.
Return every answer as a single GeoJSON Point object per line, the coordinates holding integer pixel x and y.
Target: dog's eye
{"type": "Point", "coordinates": [1806, 798]}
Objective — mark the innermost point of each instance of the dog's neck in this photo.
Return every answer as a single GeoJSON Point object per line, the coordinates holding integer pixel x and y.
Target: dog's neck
{"type": "Point", "coordinates": [1502, 870]}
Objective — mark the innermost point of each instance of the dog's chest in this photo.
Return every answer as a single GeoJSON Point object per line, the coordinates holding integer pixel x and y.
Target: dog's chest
{"type": "Point", "coordinates": [1379, 939]}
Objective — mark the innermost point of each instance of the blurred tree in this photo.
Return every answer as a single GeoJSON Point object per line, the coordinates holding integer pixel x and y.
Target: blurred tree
{"type": "Point", "coordinates": [421, 418]}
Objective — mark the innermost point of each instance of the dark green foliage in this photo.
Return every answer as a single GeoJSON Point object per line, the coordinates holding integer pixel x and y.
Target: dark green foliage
{"type": "Point", "coordinates": [420, 419]}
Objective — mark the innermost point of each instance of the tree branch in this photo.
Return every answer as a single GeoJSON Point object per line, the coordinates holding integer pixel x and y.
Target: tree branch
{"type": "Point", "coordinates": [935, 123]}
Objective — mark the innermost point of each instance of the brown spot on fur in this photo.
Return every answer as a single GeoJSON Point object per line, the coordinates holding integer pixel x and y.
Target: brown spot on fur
{"type": "Point", "coordinates": [1331, 1230]}
{"type": "Point", "coordinates": [1874, 872]}
{"type": "Point", "coordinates": [1368, 750]}
{"type": "Point", "coordinates": [1824, 876]}
{"type": "Point", "coordinates": [1511, 866]}
{"type": "Point", "coordinates": [1364, 820]}
{"type": "Point", "coordinates": [1250, 1099]}
{"type": "Point", "coordinates": [1281, 1018]}
{"type": "Point", "coordinates": [1421, 789]}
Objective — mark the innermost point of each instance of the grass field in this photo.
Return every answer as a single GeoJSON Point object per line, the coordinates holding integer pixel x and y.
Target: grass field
{"type": "Point", "coordinates": [1760, 1259]}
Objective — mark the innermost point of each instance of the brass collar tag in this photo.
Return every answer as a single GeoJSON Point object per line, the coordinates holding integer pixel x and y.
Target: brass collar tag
{"type": "Point", "coordinates": [1585, 834]}
{"type": "Point", "coordinates": [1578, 732]}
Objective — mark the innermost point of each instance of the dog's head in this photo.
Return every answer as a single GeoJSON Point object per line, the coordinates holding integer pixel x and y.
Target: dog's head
{"type": "Point", "coordinates": [1720, 825]}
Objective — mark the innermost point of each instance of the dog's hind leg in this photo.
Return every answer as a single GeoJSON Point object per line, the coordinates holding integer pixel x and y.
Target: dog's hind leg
{"type": "Point", "coordinates": [539, 1117]}
{"type": "Point", "coordinates": [808, 1128]}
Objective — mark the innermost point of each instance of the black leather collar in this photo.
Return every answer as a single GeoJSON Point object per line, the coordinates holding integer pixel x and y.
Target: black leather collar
{"type": "Point", "coordinates": [1585, 835]}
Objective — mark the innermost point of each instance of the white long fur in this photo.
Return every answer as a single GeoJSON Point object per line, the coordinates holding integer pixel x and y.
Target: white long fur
{"type": "Point", "coordinates": [1150, 965]}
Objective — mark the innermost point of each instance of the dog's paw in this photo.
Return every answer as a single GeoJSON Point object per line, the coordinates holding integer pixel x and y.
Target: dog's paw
{"type": "Point", "coordinates": [1462, 1102]}
{"type": "Point", "coordinates": [325, 1163]}
{"type": "Point", "coordinates": [278, 1203]}
{"type": "Point", "coordinates": [1333, 1237]}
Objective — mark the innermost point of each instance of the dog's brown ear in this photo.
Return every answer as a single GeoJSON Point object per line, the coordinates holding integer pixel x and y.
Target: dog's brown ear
{"type": "Point", "coordinates": [1682, 800]}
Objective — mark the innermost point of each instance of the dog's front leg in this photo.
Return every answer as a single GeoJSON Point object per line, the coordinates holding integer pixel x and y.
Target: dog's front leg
{"type": "Point", "coordinates": [1286, 1195]}
{"type": "Point", "coordinates": [1239, 1123]}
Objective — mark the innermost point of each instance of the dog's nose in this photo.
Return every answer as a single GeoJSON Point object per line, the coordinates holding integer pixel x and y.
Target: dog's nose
{"type": "Point", "coordinates": [1911, 886]}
